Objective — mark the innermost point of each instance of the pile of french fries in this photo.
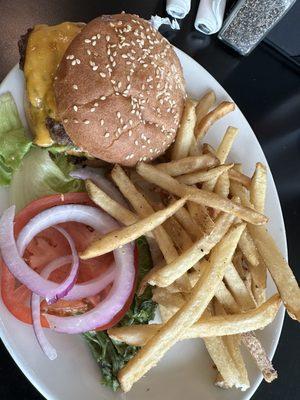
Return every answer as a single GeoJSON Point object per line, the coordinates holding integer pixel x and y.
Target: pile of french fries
{"type": "Point", "coordinates": [207, 219]}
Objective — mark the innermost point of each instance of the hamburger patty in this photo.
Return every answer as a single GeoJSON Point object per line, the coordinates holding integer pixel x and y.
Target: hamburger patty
{"type": "Point", "coordinates": [57, 132]}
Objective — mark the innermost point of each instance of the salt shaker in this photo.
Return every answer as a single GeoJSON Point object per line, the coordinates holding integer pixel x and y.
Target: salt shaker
{"type": "Point", "coordinates": [250, 21]}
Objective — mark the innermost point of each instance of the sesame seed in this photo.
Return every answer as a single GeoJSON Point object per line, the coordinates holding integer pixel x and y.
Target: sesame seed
{"type": "Point", "coordinates": [89, 52]}
{"type": "Point", "coordinates": [96, 104]}
{"type": "Point", "coordinates": [124, 56]}
{"type": "Point", "coordinates": [102, 74]}
{"type": "Point", "coordinates": [103, 98]}
{"type": "Point", "coordinates": [130, 133]}
{"type": "Point", "coordinates": [101, 122]}
{"type": "Point", "coordinates": [119, 84]}
{"type": "Point", "coordinates": [87, 41]}
{"type": "Point", "coordinates": [73, 62]}
{"type": "Point", "coordinates": [106, 134]}
{"type": "Point", "coordinates": [75, 108]}
{"type": "Point", "coordinates": [136, 142]}
{"type": "Point", "coordinates": [95, 67]}
{"type": "Point", "coordinates": [93, 109]}
{"type": "Point", "coordinates": [78, 61]}
{"type": "Point", "coordinates": [65, 120]}
{"type": "Point", "coordinates": [86, 121]}
{"type": "Point", "coordinates": [132, 155]}
{"type": "Point", "coordinates": [75, 121]}
{"type": "Point", "coordinates": [75, 87]}
{"type": "Point", "coordinates": [107, 37]}
{"type": "Point", "coordinates": [98, 36]}
{"type": "Point", "coordinates": [94, 37]}
{"type": "Point", "coordinates": [118, 114]}
{"type": "Point", "coordinates": [94, 43]}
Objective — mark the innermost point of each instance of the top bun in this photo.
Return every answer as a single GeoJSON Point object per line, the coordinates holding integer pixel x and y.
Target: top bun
{"type": "Point", "coordinates": [120, 90]}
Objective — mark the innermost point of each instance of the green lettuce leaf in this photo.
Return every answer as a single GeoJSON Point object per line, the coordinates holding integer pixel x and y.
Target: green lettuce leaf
{"type": "Point", "coordinates": [110, 354]}
{"type": "Point", "coordinates": [14, 141]}
{"type": "Point", "coordinates": [42, 174]}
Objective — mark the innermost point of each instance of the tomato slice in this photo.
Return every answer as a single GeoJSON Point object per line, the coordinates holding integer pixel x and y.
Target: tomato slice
{"type": "Point", "coordinates": [48, 245]}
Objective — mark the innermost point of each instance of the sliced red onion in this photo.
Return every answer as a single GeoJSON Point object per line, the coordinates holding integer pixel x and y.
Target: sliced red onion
{"type": "Point", "coordinates": [63, 288]}
{"type": "Point", "coordinates": [82, 290]}
{"type": "Point", "coordinates": [12, 253]}
{"type": "Point", "coordinates": [86, 289]}
{"type": "Point", "coordinates": [104, 312]}
{"type": "Point", "coordinates": [97, 176]}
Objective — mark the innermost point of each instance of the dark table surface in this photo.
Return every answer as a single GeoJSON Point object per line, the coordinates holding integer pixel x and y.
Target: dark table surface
{"type": "Point", "coordinates": [265, 85]}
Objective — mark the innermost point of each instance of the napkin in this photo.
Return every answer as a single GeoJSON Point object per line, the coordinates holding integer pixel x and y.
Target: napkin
{"type": "Point", "coordinates": [156, 21]}
{"type": "Point", "coordinates": [178, 8]}
{"type": "Point", "coordinates": [209, 18]}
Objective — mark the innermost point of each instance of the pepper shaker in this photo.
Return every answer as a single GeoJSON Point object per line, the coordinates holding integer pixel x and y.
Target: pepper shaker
{"type": "Point", "coordinates": [250, 21]}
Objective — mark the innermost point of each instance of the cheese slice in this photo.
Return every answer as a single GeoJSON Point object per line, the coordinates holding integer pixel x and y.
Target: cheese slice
{"type": "Point", "coordinates": [45, 49]}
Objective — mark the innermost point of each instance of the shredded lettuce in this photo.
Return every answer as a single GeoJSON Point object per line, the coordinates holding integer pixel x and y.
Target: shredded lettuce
{"type": "Point", "coordinates": [14, 141]}
{"type": "Point", "coordinates": [42, 174]}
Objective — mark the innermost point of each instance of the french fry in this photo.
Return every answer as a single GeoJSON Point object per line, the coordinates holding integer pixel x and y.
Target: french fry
{"type": "Point", "coordinates": [203, 176]}
{"type": "Point", "coordinates": [185, 219]}
{"type": "Point", "coordinates": [167, 299]}
{"type": "Point", "coordinates": [143, 209]}
{"type": "Point", "coordinates": [233, 344]}
{"type": "Point", "coordinates": [219, 325]}
{"type": "Point", "coordinates": [109, 205]}
{"type": "Point", "coordinates": [188, 164]}
{"type": "Point", "coordinates": [279, 269]}
{"type": "Point", "coordinates": [179, 236]}
{"type": "Point", "coordinates": [119, 237]}
{"type": "Point", "coordinates": [223, 295]}
{"type": "Point", "coordinates": [238, 289]}
{"type": "Point", "coordinates": [205, 104]}
{"type": "Point", "coordinates": [165, 313]}
{"type": "Point", "coordinates": [201, 217]}
{"type": "Point", "coordinates": [260, 356]}
{"type": "Point", "coordinates": [185, 132]}
{"type": "Point", "coordinates": [200, 196]}
{"type": "Point", "coordinates": [222, 186]}
{"type": "Point", "coordinates": [239, 177]}
{"type": "Point", "coordinates": [172, 271]}
{"type": "Point", "coordinates": [221, 357]}
{"type": "Point", "coordinates": [206, 122]}
{"type": "Point", "coordinates": [247, 246]}
{"type": "Point", "coordinates": [208, 149]}
{"type": "Point", "coordinates": [201, 295]}
{"type": "Point", "coordinates": [222, 154]}
{"type": "Point", "coordinates": [202, 108]}
{"type": "Point", "coordinates": [258, 187]}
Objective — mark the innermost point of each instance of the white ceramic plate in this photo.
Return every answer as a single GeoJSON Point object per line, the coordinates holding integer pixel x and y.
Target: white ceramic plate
{"type": "Point", "coordinates": [186, 371]}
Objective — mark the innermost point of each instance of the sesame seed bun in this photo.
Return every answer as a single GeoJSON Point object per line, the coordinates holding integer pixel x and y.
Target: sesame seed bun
{"type": "Point", "coordinates": [120, 90]}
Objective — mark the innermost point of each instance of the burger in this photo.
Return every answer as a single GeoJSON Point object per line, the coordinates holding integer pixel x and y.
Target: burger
{"type": "Point", "coordinates": [112, 89]}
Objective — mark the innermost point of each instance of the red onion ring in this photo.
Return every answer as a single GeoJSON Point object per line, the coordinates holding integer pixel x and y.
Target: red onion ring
{"type": "Point", "coordinates": [110, 306]}
{"type": "Point", "coordinates": [12, 252]}
{"type": "Point", "coordinates": [94, 174]}
{"type": "Point", "coordinates": [45, 345]}
{"type": "Point", "coordinates": [101, 222]}
{"type": "Point", "coordinates": [85, 289]}
{"type": "Point", "coordinates": [100, 283]}
{"type": "Point", "coordinates": [63, 288]}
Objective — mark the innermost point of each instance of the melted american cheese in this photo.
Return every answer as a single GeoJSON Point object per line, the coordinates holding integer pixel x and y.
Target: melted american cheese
{"type": "Point", "coordinates": [45, 49]}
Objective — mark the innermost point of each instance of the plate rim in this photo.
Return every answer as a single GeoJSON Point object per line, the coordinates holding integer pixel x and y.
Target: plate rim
{"type": "Point", "coordinates": [33, 378]}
